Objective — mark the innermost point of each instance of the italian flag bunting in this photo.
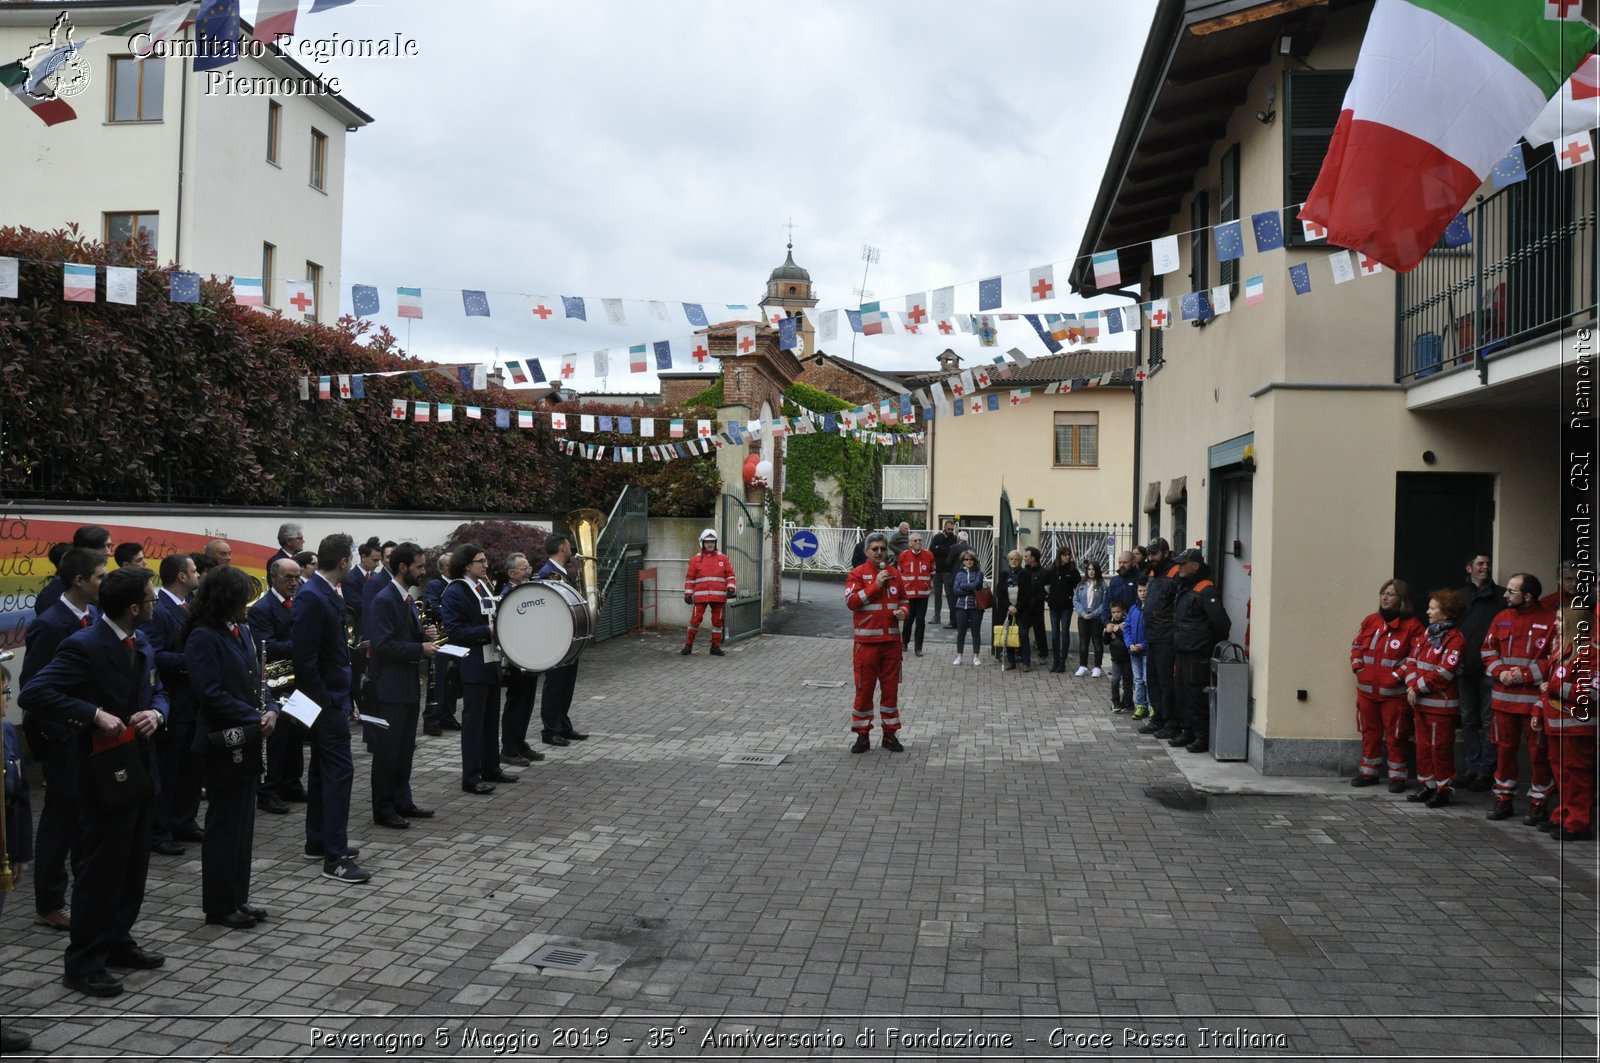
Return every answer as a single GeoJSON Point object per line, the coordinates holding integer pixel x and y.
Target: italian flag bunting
{"type": "Point", "coordinates": [1442, 88]}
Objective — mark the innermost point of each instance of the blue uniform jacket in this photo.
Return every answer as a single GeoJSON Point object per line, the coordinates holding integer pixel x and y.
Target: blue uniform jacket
{"type": "Point", "coordinates": [226, 675]}
{"type": "Point", "coordinates": [468, 626]}
{"type": "Point", "coordinates": [321, 655]}
{"type": "Point", "coordinates": [272, 622]}
{"type": "Point", "coordinates": [396, 646]}
{"type": "Point", "coordinates": [19, 809]}
{"type": "Point", "coordinates": [45, 635]}
{"type": "Point", "coordinates": [380, 578]}
{"type": "Point", "coordinates": [165, 632]}
{"type": "Point", "coordinates": [47, 597]}
{"type": "Point", "coordinates": [91, 671]}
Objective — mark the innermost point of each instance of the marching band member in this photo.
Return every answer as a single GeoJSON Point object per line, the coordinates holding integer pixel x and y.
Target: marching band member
{"type": "Point", "coordinates": [875, 595]}
{"type": "Point", "coordinates": [468, 610]}
{"type": "Point", "coordinates": [399, 645]}
{"type": "Point", "coordinates": [234, 719]}
{"type": "Point", "coordinates": [439, 715]}
{"type": "Point", "coordinates": [521, 687]}
{"type": "Point", "coordinates": [271, 620]}
{"type": "Point", "coordinates": [709, 582]}
{"type": "Point", "coordinates": [555, 709]}
{"type": "Point", "coordinates": [178, 801]}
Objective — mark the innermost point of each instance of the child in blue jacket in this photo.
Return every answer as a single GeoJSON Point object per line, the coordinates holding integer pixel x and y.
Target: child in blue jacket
{"type": "Point", "coordinates": [1133, 635]}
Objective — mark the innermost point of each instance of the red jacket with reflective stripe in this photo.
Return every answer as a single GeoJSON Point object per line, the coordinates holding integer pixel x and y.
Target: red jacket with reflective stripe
{"type": "Point", "coordinates": [710, 578]}
{"type": "Point", "coordinates": [1518, 638]}
{"type": "Point", "coordinates": [1572, 700]}
{"type": "Point", "coordinates": [873, 606]}
{"type": "Point", "coordinates": [1377, 651]}
{"type": "Point", "coordinates": [1432, 673]}
{"type": "Point", "coordinates": [916, 573]}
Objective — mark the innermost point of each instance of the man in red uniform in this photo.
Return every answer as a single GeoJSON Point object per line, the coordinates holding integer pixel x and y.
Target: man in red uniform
{"type": "Point", "coordinates": [916, 574]}
{"type": "Point", "coordinates": [1513, 658]}
{"type": "Point", "coordinates": [710, 582]}
{"type": "Point", "coordinates": [876, 596]}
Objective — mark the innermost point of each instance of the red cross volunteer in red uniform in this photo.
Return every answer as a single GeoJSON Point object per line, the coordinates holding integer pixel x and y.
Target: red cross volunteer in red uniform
{"type": "Point", "coordinates": [876, 596]}
{"type": "Point", "coordinates": [917, 574]}
{"type": "Point", "coordinates": [1382, 714]}
{"type": "Point", "coordinates": [709, 582]}
{"type": "Point", "coordinates": [1514, 657]}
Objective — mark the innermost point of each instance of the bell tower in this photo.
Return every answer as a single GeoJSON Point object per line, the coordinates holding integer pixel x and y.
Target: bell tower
{"type": "Point", "coordinates": [789, 290]}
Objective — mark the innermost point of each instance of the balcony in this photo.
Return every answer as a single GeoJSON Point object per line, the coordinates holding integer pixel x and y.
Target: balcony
{"type": "Point", "coordinates": [1528, 274]}
{"type": "Point", "coordinates": [905, 487]}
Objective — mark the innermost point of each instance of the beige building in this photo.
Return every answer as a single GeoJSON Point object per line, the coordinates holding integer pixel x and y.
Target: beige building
{"type": "Point", "coordinates": [1319, 444]}
{"type": "Point", "coordinates": [232, 172]}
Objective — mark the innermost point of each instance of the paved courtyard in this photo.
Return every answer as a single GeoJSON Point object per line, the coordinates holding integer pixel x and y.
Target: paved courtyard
{"type": "Point", "coordinates": [1030, 878]}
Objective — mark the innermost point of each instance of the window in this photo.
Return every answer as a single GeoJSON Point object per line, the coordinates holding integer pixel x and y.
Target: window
{"type": "Point", "coordinates": [1199, 242]}
{"type": "Point", "coordinates": [269, 261]}
{"type": "Point", "coordinates": [1311, 103]}
{"type": "Point", "coordinates": [1158, 337]}
{"type": "Point", "coordinates": [274, 130]}
{"type": "Point", "coordinates": [1155, 524]}
{"type": "Point", "coordinates": [319, 160]}
{"type": "Point", "coordinates": [138, 225]}
{"type": "Point", "coordinates": [1228, 210]}
{"type": "Point", "coordinates": [136, 89]}
{"type": "Point", "coordinates": [1077, 439]}
{"type": "Point", "coordinates": [1180, 522]}
{"type": "Point", "coordinates": [314, 275]}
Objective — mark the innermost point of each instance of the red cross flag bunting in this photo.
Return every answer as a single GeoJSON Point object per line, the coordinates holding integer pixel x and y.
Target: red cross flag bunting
{"type": "Point", "coordinates": [776, 318]}
{"type": "Point", "coordinates": [558, 421]}
{"type": "Point", "coordinates": [344, 386]}
{"type": "Point", "coordinates": [703, 428]}
{"type": "Point", "coordinates": [744, 339]}
{"type": "Point", "coordinates": [1575, 151]}
{"type": "Point", "coordinates": [1041, 283]}
{"type": "Point", "coordinates": [1370, 266]}
{"type": "Point", "coordinates": [569, 365]}
{"type": "Point", "coordinates": [699, 354]}
{"type": "Point", "coordinates": [541, 311]}
{"type": "Point", "coordinates": [1313, 231]}
{"type": "Point", "coordinates": [916, 309]}
{"type": "Point", "coordinates": [946, 327]}
{"type": "Point", "coordinates": [302, 296]}
{"type": "Point", "coordinates": [397, 409]}
{"type": "Point", "coordinates": [1563, 10]}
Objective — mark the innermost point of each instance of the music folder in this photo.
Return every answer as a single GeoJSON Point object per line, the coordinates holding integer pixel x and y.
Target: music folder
{"type": "Point", "coordinates": [301, 708]}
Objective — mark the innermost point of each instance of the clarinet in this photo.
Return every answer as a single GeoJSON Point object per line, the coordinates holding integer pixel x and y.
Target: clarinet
{"type": "Point", "coordinates": [261, 703]}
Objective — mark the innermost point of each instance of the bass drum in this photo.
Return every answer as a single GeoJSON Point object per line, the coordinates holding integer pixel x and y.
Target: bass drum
{"type": "Point", "coordinates": [541, 624]}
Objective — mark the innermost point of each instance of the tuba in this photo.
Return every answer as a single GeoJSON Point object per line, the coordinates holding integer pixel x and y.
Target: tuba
{"type": "Point", "coordinates": [586, 525]}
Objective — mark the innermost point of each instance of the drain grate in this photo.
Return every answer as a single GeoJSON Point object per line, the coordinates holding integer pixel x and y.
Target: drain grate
{"type": "Point", "coordinates": [765, 760]}
{"type": "Point", "coordinates": [823, 684]}
{"type": "Point", "coordinates": [563, 958]}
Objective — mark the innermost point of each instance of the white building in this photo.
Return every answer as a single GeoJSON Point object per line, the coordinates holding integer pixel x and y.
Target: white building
{"type": "Point", "coordinates": [232, 172]}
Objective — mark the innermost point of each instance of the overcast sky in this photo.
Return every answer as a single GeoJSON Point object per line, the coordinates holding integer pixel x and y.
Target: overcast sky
{"type": "Point", "coordinates": [651, 151]}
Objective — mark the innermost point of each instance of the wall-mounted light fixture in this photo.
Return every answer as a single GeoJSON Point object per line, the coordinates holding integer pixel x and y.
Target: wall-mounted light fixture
{"type": "Point", "coordinates": [1266, 115]}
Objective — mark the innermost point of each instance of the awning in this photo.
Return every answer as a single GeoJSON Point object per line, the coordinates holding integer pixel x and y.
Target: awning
{"type": "Point", "coordinates": [1178, 490]}
{"type": "Point", "coordinates": [1152, 497]}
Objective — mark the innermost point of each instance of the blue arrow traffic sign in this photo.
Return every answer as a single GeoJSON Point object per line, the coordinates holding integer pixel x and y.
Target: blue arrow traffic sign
{"type": "Point", "coordinates": [803, 544]}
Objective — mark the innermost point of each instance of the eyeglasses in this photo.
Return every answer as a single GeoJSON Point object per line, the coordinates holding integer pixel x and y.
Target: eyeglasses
{"type": "Point", "coordinates": [149, 601]}
{"type": "Point", "coordinates": [877, 549]}
{"type": "Point", "coordinates": [480, 561]}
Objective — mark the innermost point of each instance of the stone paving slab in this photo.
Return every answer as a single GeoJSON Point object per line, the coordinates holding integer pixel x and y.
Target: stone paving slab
{"type": "Point", "coordinates": [1029, 868]}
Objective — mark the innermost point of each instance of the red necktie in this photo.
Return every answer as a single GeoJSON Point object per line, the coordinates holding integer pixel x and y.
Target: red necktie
{"type": "Point", "coordinates": [236, 633]}
{"type": "Point", "coordinates": [184, 606]}
{"type": "Point", "coordinates": [85, 619]}
{"type": "Point", "coordinates": [128, 642]}
{"type": "Point", "coordinates": [288, 603]}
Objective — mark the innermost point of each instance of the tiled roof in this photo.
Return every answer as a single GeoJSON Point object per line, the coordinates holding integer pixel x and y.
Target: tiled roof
{"type": "Point", "coordinates": [1069, 365]}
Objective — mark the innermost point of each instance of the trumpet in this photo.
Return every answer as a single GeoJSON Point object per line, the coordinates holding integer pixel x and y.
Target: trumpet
{"type": "Point", "coordinates": [428, 616]}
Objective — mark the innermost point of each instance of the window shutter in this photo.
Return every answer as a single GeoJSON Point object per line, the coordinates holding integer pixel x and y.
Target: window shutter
{"type": "Point", "coordinates": [1312, 100]}
{"type": "Point", "coordinates": [1158, 338]}
{"type": "Point", "coordinates": [1228, 210]}
{"type": "Point", "coordinates": [1199, 242]}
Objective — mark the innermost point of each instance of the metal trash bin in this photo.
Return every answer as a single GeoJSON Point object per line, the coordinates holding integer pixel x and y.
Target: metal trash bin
{"type": "Point", "coordinates": [1230, 702]}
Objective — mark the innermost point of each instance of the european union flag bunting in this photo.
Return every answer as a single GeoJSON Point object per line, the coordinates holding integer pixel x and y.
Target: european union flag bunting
{"type": "Point", "coordinates": [185, 287]}
{"type": "Point", "coordinates": [1229, 241]}
{"type": "Point", "coordinates": [573, 305]}
{"type": "Point", "coordinates": [1509, 170]}
{"type": "Point", "coordinates": [989, 293]}
{"type": "Point", "coordinates": [1196, 306]}
{"type": "Point", "coordinates": [1050, 342]}
{"type": "Point", "coordinates": [788, 334]}
{"type": "Point", "coordinates": [1458, 234]}
{"type": "Point", "coordinates": [663, 354]}
{"type": "Point", "coordinates": [695, 313]}
{"type": "Point", "coordinates": [364, 300]}
{"type": "Point", "coordinates": [1268, 228]}
{"type": "Point", "coordinates": [476, 304]}
{"type": "Point", "coordinates": [855, 319]}
{"type": "Point", "coordinates": [1300, 277]}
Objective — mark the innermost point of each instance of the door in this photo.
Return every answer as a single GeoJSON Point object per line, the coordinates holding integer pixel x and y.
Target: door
{"type": "Point", "coordinates": [1441, 520]}
{"type": "Point", "coordinates": [742, 528]}
{"type": "Point", "coordinates": [1234, 552]}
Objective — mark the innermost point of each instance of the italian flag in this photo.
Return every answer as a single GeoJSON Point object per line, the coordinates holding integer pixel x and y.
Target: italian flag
{"type": "Point", "coordinates": [14, 78]}
{"type": "Point", "coordinates": [1441, 90]}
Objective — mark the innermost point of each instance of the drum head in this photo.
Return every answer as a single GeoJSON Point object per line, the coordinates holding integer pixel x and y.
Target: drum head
{"type": "Point", "coordinates": [536, 627]}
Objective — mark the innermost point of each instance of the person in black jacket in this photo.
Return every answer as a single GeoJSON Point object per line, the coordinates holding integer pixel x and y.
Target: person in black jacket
{"type": "Point", "coordinates": [1061, 579]}
{"type": "Point", "coordinates": [1161, 593]}
{"type": "Point", "coordinates": [19, 834]}
{"type": "Point", "coordinates": [1017, 594]}
{"type": "Point", "coordinates": [1484, 600]}
{"type": "Point", "coordinates": [944, 568]}
{"type": "Point", "coordinates": [1199, 623]}
{"type": "Point", "coordinates": [1031, 620]}
{"type": "Point", "coordinates": [271, 620]}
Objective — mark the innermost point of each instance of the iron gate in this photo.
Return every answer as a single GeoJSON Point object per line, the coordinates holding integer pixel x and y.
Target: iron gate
{"type": "Point", "coordinates": [620, 551]}
{"type": "Point", "coordinates": [742, 533]}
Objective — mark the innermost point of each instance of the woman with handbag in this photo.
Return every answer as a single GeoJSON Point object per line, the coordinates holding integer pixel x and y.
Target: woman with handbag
{"type": "Point", "coordinates": [234, 717]}
{"type": "Point", "coordinates": [1089, 604]}
{"type": "Point", "coordinates": [1014, 593]}
{"type": "Point", "coordinates": [1061, 579]}
{"type": "Point", "coordinates": [971, 600]}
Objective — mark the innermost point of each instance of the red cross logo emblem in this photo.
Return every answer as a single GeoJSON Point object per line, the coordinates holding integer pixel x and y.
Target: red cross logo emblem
{"type": "Point", "coordinates": [982, 379]}
{"type": "Point", "coordinates": [911, 327]}
{"type": "Point", "coordinates": [746, 345]}
{"type": "Point", "coordinates": [300, 301]}
{"type": "Point", "coordinates": [946, 328]}
{"type": "Point", "coordinates": [700, 354]}
{"type": "Point", "coordinates": [917, 314]}
{"type": "Point", "coordinates": [542, 312]}
{"type": "Point", "coordinates": [1561, 9]}
{"type": "Point", "coordinates": [1370, 265]}
{"type": "Point", "coordinates": [1159, 319]}
{"type": "Point", "coordinates": [777, 318]}
{"type": "Point", "coordinates": [1042, 289]}
{"type": "Point", "coordinates": [1576, 149]}
{"type": "Point", "coordinates": [705, 430]}
{"type": "Point", "coordinates": [566, 370]}
{"type": "Point", "coordinates": [1314, 231]}
{"type": "Point", "coordinates": [957, 390]}
{"type": "Point", "coordinates": [1139, 375]}
{"type": "Point", "coordinates": [399, 411]}
{"type": "Point", "coordinates": [1016, 400]}
{"type": "Point", "coordinates": [344, 389]}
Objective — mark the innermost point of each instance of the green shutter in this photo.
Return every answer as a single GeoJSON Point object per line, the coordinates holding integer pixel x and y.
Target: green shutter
{"type": "Point", "coordinates": [1312, 100]}
{"type": "Point", "coordinates": [1228, 210]}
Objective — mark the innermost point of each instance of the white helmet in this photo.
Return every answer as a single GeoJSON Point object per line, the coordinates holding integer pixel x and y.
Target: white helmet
{"type": "Point", "coordinates": [709, 534]}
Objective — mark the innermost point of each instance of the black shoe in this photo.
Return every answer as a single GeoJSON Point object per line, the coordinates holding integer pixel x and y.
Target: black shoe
{"type": "Point", "coordinates": [417, 812]}
{"type": "Point", "coordinates": [1147, 729]}
{"type": "Point", "coordinates": [258, 914]}
{"type": "Point", "coordinates": [450, 723]}
{"type": "Point", "coordinates": [919, 653]}
{"type": "Point", "coordinates": [392, 821]}
{"type": "Point", "coordinates": [1465, 781]}
{"type": "Point", "coordinates": [14, 1040]}
{"type": "Point", "coordinates": [1439, 798]}
{"type": "Point", "coordinates": [688, 648]}
{"type": "Point", "coordinates": [232, 920]}
{"type": "Point", "coordinates": [1502, 810]}
{"type": "Point", "coordinates": [95, 984]}
{"type": "Point", "coordinates": [1181, 739]}
{"type": "Point", "coordinates": [479, 788]}
{"type": "Point", "coordinates": [1364, 780]}
{"type": "Point", "coordinates": [1481, 783]}
{"type": "Point", "coordinates": [433, 732]}
{"type": "Point", "coordinates": [292, 792]}
{"type": "Point", "coordinates": [1162, 734]}
{"type": "Point", "coordinates": [555, 740]}
{"type": "Point", "coordinates": [272, 803]}
{"type": "Point", "coordinates": [1199, 745]}
{"type": "Point", "coordinates": [716, 651]}
{"type": "Point", "coordinates": [892, 744]}
{"type": "Point", "coordinates": [167, 848]}
{"type": "Point", "coordinates": [499, 776]}
{"type": "Point", "coordinates": [574, 736]}
{"type": "Point", "coordinates": [1536, 815]}
{"type": "Point", "coordinates": [1423, 794]}
{"type": "Point", "coordinates": [189, 834]}
{"type": "Point", "coordinates": [510, 757]}
{"type": "Point", "coordinates": [1550, 826]}
{"type": "Point", "coordinates": [1398, 786]}
{"type": "Point", "coordinates": [135, 958]}
{"type": "Point", "coordinates": [346, 870]}
{"type": "Point", "coordinates": [318, 854]}
{"type": "Point", "coordinates": [531, 753]}
{"type": "Point", "coordinates": [863, 743]}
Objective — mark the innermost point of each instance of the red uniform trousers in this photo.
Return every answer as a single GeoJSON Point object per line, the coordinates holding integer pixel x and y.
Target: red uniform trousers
{"type": "Point", "coordinates": [698, 614]}
{"type": "Point", "coordinates": [1573, 756]}
{"type": "Point", "coordinates": [877, 664]}
{"type": "Point", "coordinates": [1506, 729]}
{"type": "Point", "coordinates": [1385, 726]}
{"type": "Point", "coordinates": [1436, 749]}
